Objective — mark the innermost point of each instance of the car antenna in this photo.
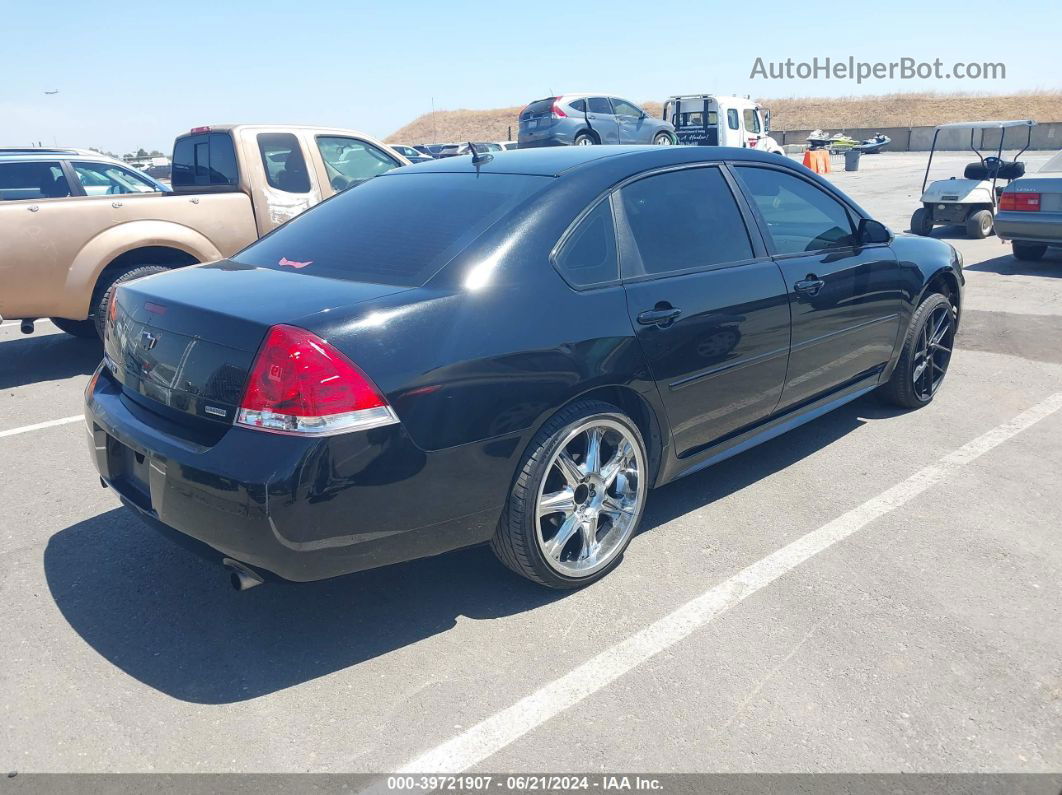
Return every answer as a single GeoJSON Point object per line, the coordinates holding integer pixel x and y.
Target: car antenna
{"type": "Point", "coordinates": [479, 158]}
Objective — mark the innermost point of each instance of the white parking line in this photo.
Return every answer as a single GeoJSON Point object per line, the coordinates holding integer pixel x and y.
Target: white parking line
{"type": "Point", "coordinates": [496, 732]}
{"type": "Point", "coordinates": [41, 425]}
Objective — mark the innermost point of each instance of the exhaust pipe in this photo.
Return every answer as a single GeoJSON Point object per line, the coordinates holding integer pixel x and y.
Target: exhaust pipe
{"type": "Point", "coordinates": [241, 577]}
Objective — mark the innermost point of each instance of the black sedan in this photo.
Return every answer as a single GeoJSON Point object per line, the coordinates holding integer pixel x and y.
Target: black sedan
{"type": "Point", "coordinates": [559, 331]}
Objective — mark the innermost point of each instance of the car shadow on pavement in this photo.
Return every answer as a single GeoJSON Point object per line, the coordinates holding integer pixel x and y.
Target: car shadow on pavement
{"type": "Point", "coordinates": [1008, 265]}
{"type": "Point", "coordinates": [47, 357]}
{"type": "Point", "coordinates": [170, 619]}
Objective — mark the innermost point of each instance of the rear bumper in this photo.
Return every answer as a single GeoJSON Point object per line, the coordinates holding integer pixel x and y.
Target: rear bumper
{"type": "Point", "coordinates": [1030, 227]}
{"type": "Point", "coordinates": [301, 509]}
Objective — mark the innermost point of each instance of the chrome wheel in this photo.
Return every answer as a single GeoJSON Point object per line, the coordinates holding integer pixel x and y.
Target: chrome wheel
{"type": "Point", "coordinates": [591, 498]}
{"type": "Point", "coordinates": [933, 352]}
{"type": "Point", "coordinates": [663, 140]}
{"type": "Point", "coordinates": [584, 140]}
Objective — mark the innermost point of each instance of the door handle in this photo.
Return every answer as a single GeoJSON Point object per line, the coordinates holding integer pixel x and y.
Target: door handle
{"type": "Point", "coordinates": [662, 316]}
{"type": "Point", "coordinates": [809, 286]}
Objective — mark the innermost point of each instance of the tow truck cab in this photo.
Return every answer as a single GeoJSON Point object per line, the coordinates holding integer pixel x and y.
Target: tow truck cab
{"type": "Point", "coordinates": [709, 120]}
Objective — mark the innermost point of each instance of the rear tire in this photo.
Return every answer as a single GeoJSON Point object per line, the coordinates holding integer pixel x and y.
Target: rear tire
{"type": "Point", "coordinates": [105, 287]}
{"type": "Point", "coordinates": [584, 139]}
{"type": "Point", "coordinates": [85, 329]}
{"type": "Point", "coordinates": [919, 353]}
{"type": "Point", "coordinates": [922, 222]}
{"type": "Point", "coordinates": [979, 224]}
{"type": "Point", "coordinates": [560, 485]}
{"type": "Point", "coordinates": [1029, 252]}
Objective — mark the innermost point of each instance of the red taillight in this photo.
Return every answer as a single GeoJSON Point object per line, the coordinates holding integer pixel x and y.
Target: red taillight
{"type": "Point", "coordinates": [301, 384]}
{"type": "Point", "coordinates": [1020, 202]}
{"type": "Point", "coordinates": [557, 112]}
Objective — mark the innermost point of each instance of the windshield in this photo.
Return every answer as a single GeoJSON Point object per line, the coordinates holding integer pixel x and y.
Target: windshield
{"type": "Point", "coordinates": [393, 229]}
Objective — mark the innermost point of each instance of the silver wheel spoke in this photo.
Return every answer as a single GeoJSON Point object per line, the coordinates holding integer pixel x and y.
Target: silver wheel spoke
{"type": "Point", "coordinates": [615, 507]}
{"type": "Point", "coordinates": [592, 463]}
{"type": "Point", "coordinates": [589, 530]}
{"type": "Point", "coordinates": [562, 501]}
{"type": "Point", "coordinates": [616, 463]}
{"type": "Point", "coordinates": [569, 469]}
{"type": "Point", "coordinates": [555, 546]}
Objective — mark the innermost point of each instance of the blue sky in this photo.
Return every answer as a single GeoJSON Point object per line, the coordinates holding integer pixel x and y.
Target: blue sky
{"type": "Point", "coordinates": [135, 74]}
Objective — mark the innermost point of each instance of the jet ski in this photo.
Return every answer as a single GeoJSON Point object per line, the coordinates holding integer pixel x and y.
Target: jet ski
{"type": "Point", "coordinates": [872, 146]}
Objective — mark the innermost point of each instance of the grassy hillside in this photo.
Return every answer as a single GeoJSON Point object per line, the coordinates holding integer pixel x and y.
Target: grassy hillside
{"type": "Point", "coordinates": [795, 113]}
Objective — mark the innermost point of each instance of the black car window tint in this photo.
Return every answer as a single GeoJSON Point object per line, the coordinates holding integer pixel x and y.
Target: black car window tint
{"type": "Point", "coordinates": [283, 162]}
{"type": "Point", "coordinates": [680, 220]}
{"type": "Point", "coordinates": [588, 256]}
{"type": "Point", "coordinates": [800, 217]}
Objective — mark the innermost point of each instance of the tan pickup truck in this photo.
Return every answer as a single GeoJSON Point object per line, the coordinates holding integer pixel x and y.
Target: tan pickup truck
{"type": "Point", "coordinates": [74, 223]}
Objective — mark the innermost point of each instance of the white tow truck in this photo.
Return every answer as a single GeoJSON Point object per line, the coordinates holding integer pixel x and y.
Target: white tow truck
{"type": "Point", "coordinates": [713, 120]}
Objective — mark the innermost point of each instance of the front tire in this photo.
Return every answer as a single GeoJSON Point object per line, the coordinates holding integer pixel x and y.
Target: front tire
{"type": "Point", "coordinates": [922, 222]}
{"type": "Point", "coordinates": [662, 139]}
{"type": "Point", "coordinates": [85, 329]}
{"type": "Point", "coordinates": [979, 224]}
{"type": "Point", "coordinates": [1029, 252]}
{"type": "Point", "coordinates": [925, 354]}
{"type": "Point", "coordinates": [102, 296]}
{"type": "Point", "coordinates": [577, 498]}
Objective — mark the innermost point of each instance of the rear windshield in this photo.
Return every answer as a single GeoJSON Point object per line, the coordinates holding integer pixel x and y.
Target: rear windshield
{"type": "Point", "coordinates": [397, 229]}
{"type": "Point", "coordinates": [538, 108]}
{"type": "Point", "coordinates": [204, 160]}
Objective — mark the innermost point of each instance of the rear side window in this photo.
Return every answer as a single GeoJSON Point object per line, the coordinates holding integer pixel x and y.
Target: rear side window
{"type": "Point", "coordinates": [799, 216]}
{"type": "Point", "coordinates": [397, 229]}
{"type": "Point", "coordinates": [732, 119]}
{"type": "Point", "coordinates": [100, 179]}
{"type": "Point", "coordinates": [204, 160]}
{"type": "Point", "coordinates": [37, 180]}
{"type": "Point", "coordinates": [578, 105]}
{"type": "Point", "coordinates": [588, 256]}
{"type": "Point", "coordinates": [598, 105]}
{"type": "Point", "coordinates": [681, 220]}
{"type": "Point", "coordinates": [285, 167]}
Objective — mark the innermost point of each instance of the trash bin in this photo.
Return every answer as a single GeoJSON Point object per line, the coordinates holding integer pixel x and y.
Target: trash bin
{"type": "Point", "coordinates": [851, 160]}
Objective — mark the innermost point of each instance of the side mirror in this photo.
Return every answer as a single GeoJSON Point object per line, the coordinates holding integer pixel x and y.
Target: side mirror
{"type": "Point", "coordinates": [766, 121]}
{"type": "Point", "coordinates": [871, 231]}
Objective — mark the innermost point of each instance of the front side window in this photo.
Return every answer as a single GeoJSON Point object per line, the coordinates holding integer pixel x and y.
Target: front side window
{"type": "Point", "coordinates": [681, 220]}
{"type": "Point", "coordinates": [105, 179]}
{"type": "Point", "coordinates": [349, 161]}
{"type": "Point", "coordinates": [732, 119]}
{"type": "Point", "coordinates": [622, 107]}
{"type": "Point", "coordinates": [283, 162]}
{"type": "Point", "coordinates": [752, 120]}
{"type": "Point", "coordinates": [598, 105]}
{"type": "Point", "coordinates": [589, 254]}
{"type": "Point", "coordinates": [799, 216]}
{"type": "Point", "coordinates": [36, 180]}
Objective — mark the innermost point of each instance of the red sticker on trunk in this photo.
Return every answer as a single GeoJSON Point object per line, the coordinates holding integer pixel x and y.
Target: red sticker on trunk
{"type": "Point", "coordinates": [288, 263]}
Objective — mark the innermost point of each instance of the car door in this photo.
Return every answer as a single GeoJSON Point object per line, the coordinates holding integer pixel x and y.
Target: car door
{"type": "Point", "coordinates": [845, 297]}
{"type": "Point", "coordinates": [707, 304]}
{"type": "Point", "coordinates": [601, 119]}
{"type": "Point", "coordinates": [631, 120]}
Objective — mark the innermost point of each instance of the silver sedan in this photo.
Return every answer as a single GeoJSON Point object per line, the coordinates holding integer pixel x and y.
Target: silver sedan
{"type": "Point", "coordinates": [1030, 211]}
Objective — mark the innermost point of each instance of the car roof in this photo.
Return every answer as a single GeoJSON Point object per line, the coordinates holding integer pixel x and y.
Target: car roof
{"type": "Point", "coordinates": [28, 154]}
{"type": "Point", "coordinates": [556, 160]}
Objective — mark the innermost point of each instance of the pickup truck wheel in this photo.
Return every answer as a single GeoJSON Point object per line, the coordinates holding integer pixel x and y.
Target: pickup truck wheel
{"type": "Point", "coordinates": [925, 355]}
{"type": "Point", "coordinates": [577, 498]}
{"type": "Point", "coordinates": [86, 329]}
{"type": "Point", "coordinates": [1030, 252]}
{"type": "Point", "coordinates": [101, 298]}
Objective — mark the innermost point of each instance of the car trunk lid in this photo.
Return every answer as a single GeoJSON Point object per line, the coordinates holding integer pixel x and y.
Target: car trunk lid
{"type": "Point", "coordinates": [182, 344]}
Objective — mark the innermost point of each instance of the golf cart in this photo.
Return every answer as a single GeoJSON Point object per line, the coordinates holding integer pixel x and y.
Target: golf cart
{"type": "Point", "coordinates": [971, 200]}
